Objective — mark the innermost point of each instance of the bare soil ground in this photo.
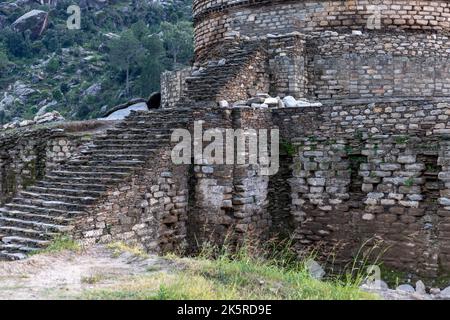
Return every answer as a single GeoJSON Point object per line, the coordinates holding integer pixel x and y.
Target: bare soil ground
{"type": "Point", "coordinates": [66, 275]}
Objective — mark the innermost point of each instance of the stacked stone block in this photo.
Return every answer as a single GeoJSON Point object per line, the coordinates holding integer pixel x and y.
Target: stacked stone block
{"type": "Point", "coordinates": [214, 20]}
{"type": "Point", "coordinates": [173, 87]}
{"type": "Point", "coordinates": [26, 155]}
{"type": "Point", "coordinates": [149, 210]}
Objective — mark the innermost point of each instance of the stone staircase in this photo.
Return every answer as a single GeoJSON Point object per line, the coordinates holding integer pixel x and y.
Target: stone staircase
{"type": "Point", "coordinates": [209, 81]}
{"type": "Point", "coordinates": [42, 211]}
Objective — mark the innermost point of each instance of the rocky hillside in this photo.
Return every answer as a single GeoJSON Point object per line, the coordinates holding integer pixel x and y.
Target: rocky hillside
{"type": "Point", "coordinates": [118, 53]}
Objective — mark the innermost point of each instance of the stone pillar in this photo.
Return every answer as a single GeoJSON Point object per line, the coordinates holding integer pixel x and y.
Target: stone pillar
{"type": "Point", "coordinates": [173, 87]}
{"type": "Point", "coordinates": [287, 65]}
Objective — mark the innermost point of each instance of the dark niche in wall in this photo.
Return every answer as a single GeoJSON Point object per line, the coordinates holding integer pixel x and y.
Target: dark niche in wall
{"type": "Point", "coordinates": [432, 184]}
{"type": "Point", "coordinates": [192, 224]}
{"type": "Point", "coordinates": [356, 180]}
{"type": "Point", "coordinates": [279, 197]}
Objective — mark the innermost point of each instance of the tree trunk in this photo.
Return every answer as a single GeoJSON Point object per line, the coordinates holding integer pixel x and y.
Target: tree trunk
{"type": "Point", "coordinates": [175, 55]}
{"type": "Point", "coordinates": [127, 82]}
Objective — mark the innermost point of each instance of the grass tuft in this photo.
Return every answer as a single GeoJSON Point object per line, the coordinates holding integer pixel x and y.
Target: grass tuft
{"type": "Point", "coordinates": [119, 248]}
{"type": "Point", "coordinates": [61, 243]}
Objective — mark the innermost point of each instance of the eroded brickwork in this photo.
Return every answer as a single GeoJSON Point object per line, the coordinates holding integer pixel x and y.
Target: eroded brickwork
{"type": "Point", "coordinates": [26, 155]}
{"type": "Point", "coordinates": [215, 20]}
{"type": "Point", "coordinates": [147, 210]}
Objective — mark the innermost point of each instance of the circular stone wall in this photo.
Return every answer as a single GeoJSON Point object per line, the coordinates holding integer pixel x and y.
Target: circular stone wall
{"type": "Point", "coordinates": [215, 19]}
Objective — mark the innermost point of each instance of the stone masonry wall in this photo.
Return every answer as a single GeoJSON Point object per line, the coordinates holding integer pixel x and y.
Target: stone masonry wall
{"type": "Point", "coordinates": [173, 87]}
{"type": "Point", "coordinates": [288, 76]}
{"type": "Point", "coordinates": [377, 65]}
{"type": "Point", "coordinates": [325, 66]}
{"type": "Point", "coordinates": [25, 156]}
{"type": "Point", "coordinates": [216, 19]}
{"type": "Point", "coordinates": [371, 176]}
{"type": "Point", "coordinates": [148, 210]}
{"type": "Point", "coordinates": [374, 173]}
{"type": "Point", "coordinates": [228, 202]}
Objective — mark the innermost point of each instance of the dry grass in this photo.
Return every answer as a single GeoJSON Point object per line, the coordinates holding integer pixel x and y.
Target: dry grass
{"type": "Point", "coordinates": [232, 276]}
{"type": "Point", "coordinates": [120, 247]}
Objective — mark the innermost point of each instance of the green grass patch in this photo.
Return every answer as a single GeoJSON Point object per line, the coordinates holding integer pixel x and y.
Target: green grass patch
{"type": "Point", "coordinates": [232, 276]}
{"type": "Point", "coordinates": [62, 243]}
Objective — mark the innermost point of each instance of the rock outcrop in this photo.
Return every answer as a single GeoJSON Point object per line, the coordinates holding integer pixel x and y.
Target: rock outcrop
{"type": "Point", "coordinates": [35, 21]}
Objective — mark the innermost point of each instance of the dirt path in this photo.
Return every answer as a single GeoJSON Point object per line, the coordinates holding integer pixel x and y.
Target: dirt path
{"type": "Point", "coordinates": [66, 275]}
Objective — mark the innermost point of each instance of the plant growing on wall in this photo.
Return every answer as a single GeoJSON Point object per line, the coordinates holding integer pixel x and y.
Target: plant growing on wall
{"type": "Point", "coordinates": [288, 148]}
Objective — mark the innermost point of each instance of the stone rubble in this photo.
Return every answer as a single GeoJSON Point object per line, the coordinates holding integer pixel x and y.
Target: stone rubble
{"type": "Point", "coordinates": [48, 117]}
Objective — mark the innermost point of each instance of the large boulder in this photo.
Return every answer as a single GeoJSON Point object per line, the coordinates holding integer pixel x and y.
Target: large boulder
{"type": "Point", "coordinates": [8, 8]}
{"type": "Point", "coordinates": [35, 21]}
{"type": "Point", "coordinates": [93, 90]}
{"type": "Point", "coordinates": [18, 92]}
{"type": "Point", "coordinates": [123, 113]}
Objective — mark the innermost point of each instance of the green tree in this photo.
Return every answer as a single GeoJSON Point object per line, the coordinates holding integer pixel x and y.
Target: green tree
{"type": "Point", "coordinates": [53, 65]}
{"type": "Point", "coordinates": [151, 65]}
{"type": "Point", "coordinates": [124, 52]}
{"type": "Point", "coordinates": [4, 61]}
{"type": "Point", "coordinates": [178, 40]}
{"type": "Point", "coordinates": [18, 45]}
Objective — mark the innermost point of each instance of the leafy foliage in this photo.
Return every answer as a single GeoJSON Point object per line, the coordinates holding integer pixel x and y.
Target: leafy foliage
{"type": "Point", "coordinates": [122, 47]}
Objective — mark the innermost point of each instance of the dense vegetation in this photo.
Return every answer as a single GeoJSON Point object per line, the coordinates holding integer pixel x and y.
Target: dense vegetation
{"type": "Point", "coordinates": [118, 53]}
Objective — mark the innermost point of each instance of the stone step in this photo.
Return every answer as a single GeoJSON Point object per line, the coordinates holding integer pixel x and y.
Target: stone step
{"type": "Point", "coordinates": [99, 168]}
{"type": "Point", "coordinates": [146, 150]}
{"type": "Point", "coordinates": [159, 122]}
{"type": "Point", "coordinates": [5, 255]}
{"type": "Point", "coordinates": [58, 205]}
{"type": "Point", "coordinates": [35, 243]}
{"type": "Point", "coordinates": [123, 142]}
{"type": "Point", "coordinates": [69, 192]}
{"type": "Point", "coordinates": [161, 114]}
{"type": "Point", "coordinates": [33, 225]}
{"type": "Point", "coordinates": [50, 219]}
{"type": "Point", "coordinates": [100, 155]}
{"type": "Point", "coordinates": [145, 124]}
{"type": "Point", "coordinates": [89, 174]}
{"type": "Point", "coordinates": [108, 159]}
{"type": "Point", "coordinates": [89, 179]}
{"type": "Point", "coordinates": [105, 152]}
{"type": "Point", "coordinates": [159, 137]}
{"type": "Point", "coordinates": [42, 211]}
{"type": "Point", "coordinates": [73, 186]}
{"type": "Point", "coordinates": [36, 210]}
{"type": "Point", "coordinates": [163, 122]}
{"type": "Point", "coordinates": [17, 248]}
{"type": "Point", "coordinates": [88, 162]}
{"type": "Point", "coordinates": [57, 197]}
{"type": "Point", "coordinates": [136, 132]}
{"type": "Point", "coordinates": [27, 233]}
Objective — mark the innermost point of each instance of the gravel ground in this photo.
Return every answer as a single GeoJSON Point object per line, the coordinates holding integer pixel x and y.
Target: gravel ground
{"type": "Point", "coordinates": [66, 275]}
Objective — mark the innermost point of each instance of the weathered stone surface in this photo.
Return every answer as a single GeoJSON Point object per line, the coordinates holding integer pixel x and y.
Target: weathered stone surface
{"type": "Point", "coordinates": [123, 113]}
{"type": "Point", "coordinates": [35, 21]}
{"type": "Point", "coordinates": [406, 288]}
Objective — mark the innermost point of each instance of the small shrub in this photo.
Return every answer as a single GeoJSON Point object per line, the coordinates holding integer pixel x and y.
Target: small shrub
{"type": "Point", "coordinates": [119, 247]}
{"type": "Point", "coordinates": [410, 182]}
{"type": "Point", "coordinates": [62, 243]}
{"type": "Point", "coordinates": [92, 279]}
{"type": "Point", "coordinates": [288, 148]}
